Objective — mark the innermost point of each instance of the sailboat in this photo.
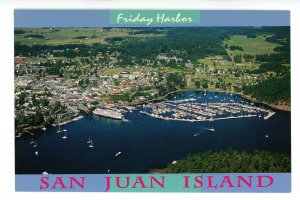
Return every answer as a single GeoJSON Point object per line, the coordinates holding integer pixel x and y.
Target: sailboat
{"type": "Point", "coordinates": [89, 140]}
{"type": "Point", "coordinates": [65, 136]}
{"type": "Point", "coordinates": [58, 129]}
{"type": "Point", "coordinates": [35, 145]}
{"type": "Point", "coordinates": [144, 110]}
{"type": "Point", "coordinates": [91, 144]}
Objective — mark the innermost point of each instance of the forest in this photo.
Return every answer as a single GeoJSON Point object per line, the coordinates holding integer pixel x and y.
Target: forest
{"type": "Point", "coordinates": [272, 90]}
{"type": "Point", "coordinates": [189, 43]}
{"type": "Point", "coordinates": [231, 161]}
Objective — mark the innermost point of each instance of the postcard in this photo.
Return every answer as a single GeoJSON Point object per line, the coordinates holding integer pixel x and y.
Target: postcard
{"type": "Point", "coordinates": [152, 101]}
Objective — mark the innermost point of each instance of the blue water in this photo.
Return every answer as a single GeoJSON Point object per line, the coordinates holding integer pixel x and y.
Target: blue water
{"type": "Point", "coordinates": [146, 142]}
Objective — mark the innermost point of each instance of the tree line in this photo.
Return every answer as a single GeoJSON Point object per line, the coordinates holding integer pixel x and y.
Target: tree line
{"type": "Point", "coordinates": [232, 161]}
{"type": "Point", "coordinates": [272, 90]}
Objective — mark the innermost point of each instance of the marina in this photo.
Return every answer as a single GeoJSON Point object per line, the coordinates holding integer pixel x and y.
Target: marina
{"type": "Point", "coordinates": [143, 142]}
{"type": "Point", "coordinates": [196, 112]}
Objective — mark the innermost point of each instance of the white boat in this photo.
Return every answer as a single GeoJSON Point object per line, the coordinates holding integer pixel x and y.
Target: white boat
{"type": "Point", "coordinates": [35, 145]}
{"type": "Point", "coordinates": [266, 136]}
{"type": "Point", "coordinates": [36, 153]}
{"type": "Point", "coordinates": [65, 130]}
{"type": "Point", "coordinates": [45, 173]}
{"type": "Point", "coordinates": [91, 144]}
{"type": "Point", "coordinates": [65, 136]}
{"type": "Point", "coordinates": [212, 129]}
{"type": "Point", "coordinates": [89, 140]}
{"type": "Point", "coordinates": [32, 141]}
{"type": "Point", "coordinates": [117, 154]}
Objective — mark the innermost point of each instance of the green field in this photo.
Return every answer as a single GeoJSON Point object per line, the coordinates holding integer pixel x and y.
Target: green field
{"type": "Point", "coordinates": [114, 71]}
{"type": "Point", "coordinates": [175, 70]}
{"type": "Point", "coordinates": [253, 46]}
{"type": "Point", "coordinates": [237, 66]}
{"type": "Point", "coordinates": [68, 35]}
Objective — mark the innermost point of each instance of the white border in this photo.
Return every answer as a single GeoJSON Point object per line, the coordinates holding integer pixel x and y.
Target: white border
{"type": "Point", "coordinates": [7, 184]}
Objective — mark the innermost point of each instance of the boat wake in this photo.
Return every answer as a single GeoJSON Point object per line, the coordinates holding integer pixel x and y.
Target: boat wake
{"type": "Point", "coordinates": [126, 120]}
{"type": "Point", "coordinates": [206, 129]}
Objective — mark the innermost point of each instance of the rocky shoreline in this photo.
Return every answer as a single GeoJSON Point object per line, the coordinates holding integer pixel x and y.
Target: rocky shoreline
{"type": "Point", "coordinates": [282, 107]}
{"type": "Point", "coordinates": [31, 129]}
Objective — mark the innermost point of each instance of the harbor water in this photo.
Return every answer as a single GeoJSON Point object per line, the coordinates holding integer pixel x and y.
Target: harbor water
{"type": "Point", "coordinates": [140, 143]}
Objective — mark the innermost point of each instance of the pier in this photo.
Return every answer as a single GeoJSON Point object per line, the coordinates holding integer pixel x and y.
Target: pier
{"type": "Point", "coordinates": [270, 114]}
{"type": "Point", "coordinates": [198, 120]}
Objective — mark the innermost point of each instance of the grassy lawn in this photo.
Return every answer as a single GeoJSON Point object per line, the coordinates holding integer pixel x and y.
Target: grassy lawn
{"type": "Point", "coordinates": [252, 46]}
{"type": "Point", "coordinates": [229, 79]}
{"type": "Point", "coordinates": [113, 71]}
{"type": "Point", "coordinates": [238, 66]}
{"type": "Point", "coordinates": [176, 70]}
{"type": "Point", "coordinates": [206, 61]}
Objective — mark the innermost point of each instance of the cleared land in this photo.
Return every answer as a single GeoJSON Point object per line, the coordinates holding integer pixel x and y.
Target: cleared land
{"type": "Point", "coordinates": [253, 46]}
{"type": "Point", "coordinates": [62, 36]}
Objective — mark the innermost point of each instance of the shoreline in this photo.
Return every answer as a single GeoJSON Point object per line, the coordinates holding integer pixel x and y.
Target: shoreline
{"type": "Point", "coordinates": [31, 129]}
{"type": "Point", "coordinates": [281, 108]}
{"type": "Point", "coordinates": [162, 98]}
{"type": "Point", "coordinates": [249, 98]}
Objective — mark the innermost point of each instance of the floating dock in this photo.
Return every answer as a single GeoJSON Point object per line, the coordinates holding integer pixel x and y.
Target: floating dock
{"type": "Point", "coordinates": [270, 114]}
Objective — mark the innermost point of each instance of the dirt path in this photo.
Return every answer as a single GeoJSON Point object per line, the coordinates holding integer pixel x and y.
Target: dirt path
{"type": "Point", "coordinates": [230, 55]}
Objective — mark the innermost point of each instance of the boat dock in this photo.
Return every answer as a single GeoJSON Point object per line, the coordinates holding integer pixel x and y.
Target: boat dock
{"type": "Point", "coordinates": [190, 111]}
{"type": "Point", "coordinates": [270, 114]}
{"type": "Point", "coordinates": [199, 120]}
